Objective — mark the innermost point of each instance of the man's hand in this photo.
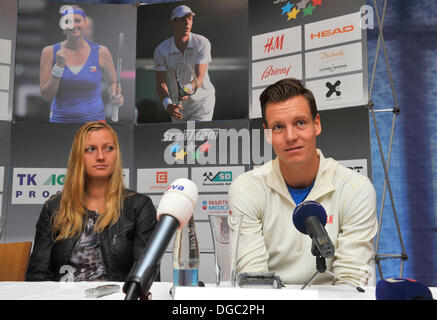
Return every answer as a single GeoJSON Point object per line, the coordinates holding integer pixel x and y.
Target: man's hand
{"type": "Point", "coordinates": [173, 110]}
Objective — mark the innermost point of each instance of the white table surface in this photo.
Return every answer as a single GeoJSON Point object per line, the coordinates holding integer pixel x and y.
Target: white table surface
{"type": "Point", "coordinates": [160, 291]}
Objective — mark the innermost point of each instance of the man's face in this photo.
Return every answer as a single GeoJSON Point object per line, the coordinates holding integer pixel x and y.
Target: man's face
{"type": "Point", "coordinates": [182, 26]}
{"type": "Point", "coordinates": [293, 131]}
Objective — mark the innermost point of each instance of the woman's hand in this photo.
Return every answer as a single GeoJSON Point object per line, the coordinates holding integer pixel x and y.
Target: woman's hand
{"type": "Point", "coordinates": [117, 99]}
{"type": "Point", "coordinates": [61, 58]}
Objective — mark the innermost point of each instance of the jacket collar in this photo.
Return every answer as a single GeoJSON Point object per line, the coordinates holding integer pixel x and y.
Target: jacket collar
{"type": "Point", "coordinates": [322, 186]}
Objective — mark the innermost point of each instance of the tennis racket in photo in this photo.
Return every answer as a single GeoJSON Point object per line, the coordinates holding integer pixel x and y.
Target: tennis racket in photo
{"type": "Point", "coordinates": [186, 80]}
{"type": "Point", "coordinates": [118, 75]}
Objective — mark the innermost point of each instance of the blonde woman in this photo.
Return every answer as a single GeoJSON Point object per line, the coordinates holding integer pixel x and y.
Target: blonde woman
{"type": "Point", "coordinates": [95, 229]}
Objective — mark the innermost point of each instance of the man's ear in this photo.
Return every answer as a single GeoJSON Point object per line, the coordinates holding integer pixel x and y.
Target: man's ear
{"type": "Point", "coordinates": [318, 125]}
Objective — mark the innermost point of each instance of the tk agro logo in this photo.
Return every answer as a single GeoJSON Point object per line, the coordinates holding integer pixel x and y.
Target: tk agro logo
{"type": "Point", "coordinates": [31, 179]}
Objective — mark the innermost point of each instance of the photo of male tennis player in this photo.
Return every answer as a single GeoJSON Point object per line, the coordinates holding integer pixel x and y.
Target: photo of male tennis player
{"type": "Point", "coordinates": [187, 68]}
{"type": "Point", "coordinates": [195, 51]}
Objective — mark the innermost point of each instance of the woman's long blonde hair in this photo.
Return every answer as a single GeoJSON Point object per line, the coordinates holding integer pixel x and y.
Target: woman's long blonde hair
{"type": "Point", "coordinates": [68, 220]}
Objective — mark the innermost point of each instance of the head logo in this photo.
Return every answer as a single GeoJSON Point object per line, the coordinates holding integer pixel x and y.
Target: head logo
{"type": "Point", "coordinates": [329, 32]}
{"type": "Point", "coordinates": [204, 205]}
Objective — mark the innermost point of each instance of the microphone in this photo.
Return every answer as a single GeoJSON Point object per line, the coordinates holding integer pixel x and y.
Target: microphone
{"type": "Point", "coordinates": [309, 217]}
{"type": "Point", "coordinates": [402, 289]}
{"type": "Point", "coordinates": [174, 211]}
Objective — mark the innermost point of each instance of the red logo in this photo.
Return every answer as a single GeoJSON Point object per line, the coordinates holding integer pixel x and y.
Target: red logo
{"type": "Point", "coordinates": [270, 71]}
{"type": "Point", "coordinates": [328, 33]}
{"type": "Point", "coordinates": [273, 44]}
{"type": "Point", "coordinates": [330, 219]}
{"type": "Point", "coordinates": [161, 177]}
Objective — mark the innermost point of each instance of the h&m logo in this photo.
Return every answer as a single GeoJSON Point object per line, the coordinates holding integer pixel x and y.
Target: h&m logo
{"type": "Point", "coordinates": [274, 44]}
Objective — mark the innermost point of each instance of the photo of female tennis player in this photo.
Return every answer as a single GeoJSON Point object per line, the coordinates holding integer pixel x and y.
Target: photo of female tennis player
{"type": "Point", "coordinates": [84, 73]}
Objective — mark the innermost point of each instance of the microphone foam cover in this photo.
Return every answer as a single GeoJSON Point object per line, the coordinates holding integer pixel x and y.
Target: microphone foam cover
{"type": "Point", "coordinates": [179, 201]}
{"type": "Point", "coordinates": [401, 289]}
{"type": "Point", "coordinates": [307, 209]}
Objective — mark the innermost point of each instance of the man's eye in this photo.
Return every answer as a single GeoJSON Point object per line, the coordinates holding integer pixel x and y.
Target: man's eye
{"type": "Point", "coordinates": [277, 127]}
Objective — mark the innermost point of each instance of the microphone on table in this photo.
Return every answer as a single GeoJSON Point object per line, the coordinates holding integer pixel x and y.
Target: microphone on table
{"type": "Point", "coordinates": [309, 217]}
{"type": "Point", "coordinates": [402, 289]}
{"type": "Point", "coordinates": [174, 211]}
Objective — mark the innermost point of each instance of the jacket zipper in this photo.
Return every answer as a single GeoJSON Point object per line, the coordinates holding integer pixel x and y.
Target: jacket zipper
{"type": "Point", "coordinates": [114, 237]}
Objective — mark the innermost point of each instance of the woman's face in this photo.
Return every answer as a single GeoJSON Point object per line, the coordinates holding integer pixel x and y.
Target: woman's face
{"type": "Point", "coordinates": [100, 154]}
{"type": "Point", "coordinates": [77, 27]}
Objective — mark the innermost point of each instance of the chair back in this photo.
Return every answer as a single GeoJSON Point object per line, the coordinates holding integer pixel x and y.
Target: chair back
{"type": "Point", "coordinates": [14, 258]}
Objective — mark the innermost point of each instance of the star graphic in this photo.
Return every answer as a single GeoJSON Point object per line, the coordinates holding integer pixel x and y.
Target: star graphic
{"type": "Point", "coordinates": [205, 147]}
{"type": "Point", "coordinates": [292, 14]}
{"type": "Point", "coordinates": [287, 8]}
{"type": "Point", "coordinates": [180, 155]}
{"type": "Point", "coordinates": [196, 154]}
{"type": "Point", "coordinates": [317, 2]}
{"type": "Point", "coordinates": [175, 147]}
{"type": "Point", "coordinates": [301, 5]}
{"type": "Point", "coordinates": [308, 11]}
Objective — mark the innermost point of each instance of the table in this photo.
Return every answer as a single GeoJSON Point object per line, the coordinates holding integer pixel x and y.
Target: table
{"type": "Point", "coordinates": [48, 290]}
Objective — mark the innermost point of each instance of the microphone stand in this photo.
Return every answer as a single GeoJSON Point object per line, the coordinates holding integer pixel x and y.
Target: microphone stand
{"type": "Point", "coordinates": [321, 268]}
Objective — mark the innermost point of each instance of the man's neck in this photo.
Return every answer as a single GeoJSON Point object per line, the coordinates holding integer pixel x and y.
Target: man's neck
{"type": "Point", "coordinates": [300, 176]}
{"type": "Point", "coordinates": [182, 42]}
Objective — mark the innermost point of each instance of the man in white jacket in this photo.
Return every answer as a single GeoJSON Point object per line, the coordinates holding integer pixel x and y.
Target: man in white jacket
{"type": "Point", "coordinates": [267, 197]}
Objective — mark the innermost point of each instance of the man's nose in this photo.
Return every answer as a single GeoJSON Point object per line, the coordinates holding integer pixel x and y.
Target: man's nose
{"type": "Point", "coordinates": [290, 133]}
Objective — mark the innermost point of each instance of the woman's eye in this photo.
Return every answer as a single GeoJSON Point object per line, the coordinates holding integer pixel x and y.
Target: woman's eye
{"type": "Point", "coordinates": [89, 149]}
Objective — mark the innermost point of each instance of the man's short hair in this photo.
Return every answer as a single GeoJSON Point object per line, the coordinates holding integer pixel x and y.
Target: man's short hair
{"type": "Point", "coordinates": [284, 90]}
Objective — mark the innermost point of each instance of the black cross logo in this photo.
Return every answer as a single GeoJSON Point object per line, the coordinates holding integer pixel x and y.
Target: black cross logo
{"type": "Point", "coordinates": [333, 88]}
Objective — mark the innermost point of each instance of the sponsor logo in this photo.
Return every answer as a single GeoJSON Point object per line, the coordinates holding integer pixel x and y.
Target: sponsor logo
{"type": "Point", "coordinates": [274, 44]}
{"type": "Point", "coordinates": [272, 71]}
{"type": "Point", "coordinates": [215, 179]}
{"type": "Point", "coordinates": [331, 32]}
{"type": "Point", "coordinates": [176, 187]}
{"type": "Point", "coordinates": [93, 68]}
{"type": "Point", "coordinates": [218, 177]}
{"type": "Point", "coordinates": [331, 54]}
{"type": "Point", "coordinates": [330, 219]}
{"type": "Point", "coordinates": [301, 8]}
{"type": "Point", "coordinates": [333, 88]}
{"type": "Point", "coordinates": [161, 177]}
{"type": "Point", "coordinates": [190, 134]}
{"type": "Point", "coordinates": [215, 206]}
{"type": "Point", "coordinates": [36, 185]}
{"type": "Point", "coordinates": [55, 180]}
